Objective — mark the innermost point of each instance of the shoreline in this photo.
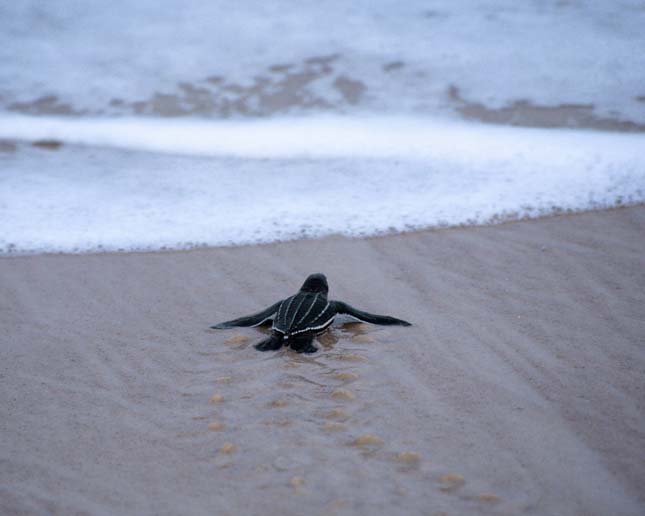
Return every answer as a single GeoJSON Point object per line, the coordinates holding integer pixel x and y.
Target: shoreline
{"type": "Point", "coordinates": [351, 177]}
{"type": "Point", "coordinates": [518, 389]}
{"type": "Point", "coordinates": [564, 213]}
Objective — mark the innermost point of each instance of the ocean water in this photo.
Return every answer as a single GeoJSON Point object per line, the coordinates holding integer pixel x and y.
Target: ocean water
{"type": "Point", "coordinates": [177, 124]}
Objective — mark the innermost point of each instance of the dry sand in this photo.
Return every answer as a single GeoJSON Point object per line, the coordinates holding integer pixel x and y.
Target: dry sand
{"type": "Point", "coordinates": [520, 389]}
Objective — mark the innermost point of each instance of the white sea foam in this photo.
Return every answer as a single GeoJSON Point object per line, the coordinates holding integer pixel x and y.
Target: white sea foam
{"type": "Point", "coordinates": [329, 137]}
{"type": "Point", "coordinates": [224, 183]}
{"type": "Point", "coordinates": [407, 54]}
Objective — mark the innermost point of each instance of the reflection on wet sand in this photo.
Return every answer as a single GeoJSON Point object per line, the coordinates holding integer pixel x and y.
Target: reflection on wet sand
{"type": "Point", "coordinates": [333, 427]}
{"type": "Point", "coordinates": [278, 403]}
{"type": "Point", "coordinates": [228, 448]}
{"type": "Point", "coordinates": [297, 481]}
{"type": "Point", "coordinates": [348, 357]}
{"type": "Point", "coordinates": [343, 394]}
{"type": "Point", "coordinates": [338, 414]}
{"type": "Point", "coordinates": [451, 481]}
{"type": "Point", "coordinates": [345, 376]}
{"type": "Point", "coordinates": [363, 339]}
{"type": "Point", "coordinates": [407, 457]}
{"type": "Point", "coordinates": [367, 440]}
{"type": "Point", "coordinates": [237, 339]}
{"type": "Point", "coordinates": [293, 410]}
{"type": "Point", "coordinates": [488, 497]}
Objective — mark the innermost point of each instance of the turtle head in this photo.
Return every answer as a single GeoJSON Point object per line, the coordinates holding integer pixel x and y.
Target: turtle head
{"type": "Point", "coordinates": [316, 283]}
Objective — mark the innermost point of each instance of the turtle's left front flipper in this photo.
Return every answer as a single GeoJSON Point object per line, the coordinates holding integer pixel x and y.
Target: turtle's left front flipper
{"type": "Point", "coordinates": [250, 320]}
{"type": "Point", "coordinates": [344, 308]}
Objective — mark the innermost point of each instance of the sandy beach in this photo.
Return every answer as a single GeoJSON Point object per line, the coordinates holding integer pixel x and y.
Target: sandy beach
{"type": "Point", "coordinates": [519, 389]}
{"type": "Point", "coordinates": [469, 168]}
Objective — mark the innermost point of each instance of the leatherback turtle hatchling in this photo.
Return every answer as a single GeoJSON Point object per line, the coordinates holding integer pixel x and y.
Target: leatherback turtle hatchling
{"type": "Point", "coordinates": [299, 318]}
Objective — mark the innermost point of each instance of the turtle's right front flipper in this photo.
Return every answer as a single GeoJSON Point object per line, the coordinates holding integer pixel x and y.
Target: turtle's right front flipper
{"type": "Point", "coordinates": [344, 308]}
{"type": "Point", "coordinates": [250, 320]}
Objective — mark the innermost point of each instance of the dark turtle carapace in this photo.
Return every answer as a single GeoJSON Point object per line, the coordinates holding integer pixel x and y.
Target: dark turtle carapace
{"type": "Point", "coordinates": [296, 320]}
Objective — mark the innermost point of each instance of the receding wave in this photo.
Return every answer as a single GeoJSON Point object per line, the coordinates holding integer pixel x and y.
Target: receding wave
{"type": "Point", "coordinates": [127, 184]}
{"type": "Point", "coordinates": [326, 137]}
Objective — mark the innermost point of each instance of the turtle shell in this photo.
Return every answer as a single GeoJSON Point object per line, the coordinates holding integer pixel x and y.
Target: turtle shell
{"type": "Point", "coordinates": [304, 312]}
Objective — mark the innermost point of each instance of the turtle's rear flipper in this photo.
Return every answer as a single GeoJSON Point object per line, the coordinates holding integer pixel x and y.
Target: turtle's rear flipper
{"type": "Point", "coordinates": [303, 343]}
{"type": "Point", "coordinates": [344, 308]}
{"type": "Point", "coordinates": [272, 343]}
{"type": "Point", "coordinates": [250, 320]}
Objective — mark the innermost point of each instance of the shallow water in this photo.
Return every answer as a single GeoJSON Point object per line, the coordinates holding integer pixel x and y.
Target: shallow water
{"type": "Point", "coordinates": [288, 179]}
{"type": "Point", "coordinates": [189, 59]}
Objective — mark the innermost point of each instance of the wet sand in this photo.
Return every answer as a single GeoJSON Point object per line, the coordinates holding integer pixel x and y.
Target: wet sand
{"type": "Point", "coordinates": [519, 389]}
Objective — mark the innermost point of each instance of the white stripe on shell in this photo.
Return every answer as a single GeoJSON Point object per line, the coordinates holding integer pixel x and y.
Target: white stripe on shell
{"type": "Point", "coordinates": [279, 310]}
{"type": "Point", "coordinates": [264, 320]}
{"type": "Point", "coordinates": [323, 311]}
{"type": "Point", "coordinates": [313, 328]}
{"type": "Point", "coordinates": [277, 320]}
{"type": "Point", "coordinates": [296, 311]}
{"type": "Point", "coordinates": [313, 303]}
{"type": "Point", "coordinates": [288, 306]}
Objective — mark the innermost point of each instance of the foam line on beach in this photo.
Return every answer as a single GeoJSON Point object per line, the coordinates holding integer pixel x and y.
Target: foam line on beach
{"type": "Point", "coordinates": [234, 183]}
{"type": "Point", "coordinates": [323, 137]}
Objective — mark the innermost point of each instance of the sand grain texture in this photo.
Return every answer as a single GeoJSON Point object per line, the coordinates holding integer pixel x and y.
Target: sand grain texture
{"type": "Point", "coordinates": [522, 375]}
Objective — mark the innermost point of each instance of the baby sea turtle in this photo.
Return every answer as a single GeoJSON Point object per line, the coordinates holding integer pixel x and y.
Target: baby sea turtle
{"type": "Point", "coordinates": [299, 318]}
